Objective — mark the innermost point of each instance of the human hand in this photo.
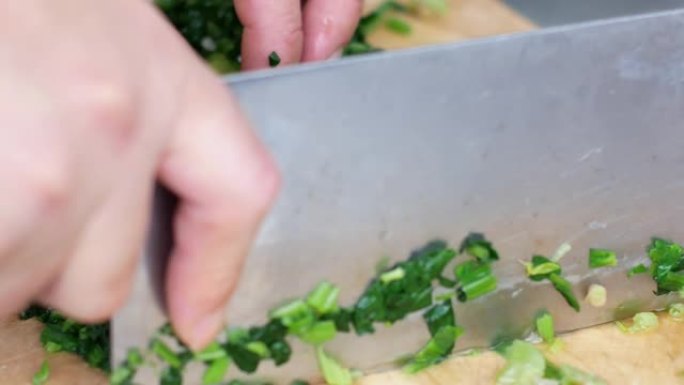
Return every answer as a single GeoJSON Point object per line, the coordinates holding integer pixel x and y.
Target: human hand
{"type": "Point", "coordinates": [98, 100]}
{"type": "Point", "coordinates": [297, 30]}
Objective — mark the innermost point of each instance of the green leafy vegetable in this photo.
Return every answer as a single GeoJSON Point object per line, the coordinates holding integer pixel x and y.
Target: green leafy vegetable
{"type": "Point", "coordinates": [42, 375]}
{"type": "Point", "coordinates": [436, 350]}
{"type": "Point", "coordinates": [297, 316]}
{"type": "Point", "coordinates": [323, 299]}
{"type": "Point", "coordinates": [478, 247]}
{"type": "Point", "coordinates": [273, 59]}
{"type": "Point", "coordinates": [216, 371]}
{"type": "Point", "coordinates": [541, 268]}
{"type": "Point", "coordinates": [638, 269]}
{"type": "Point", "coordinates": [564, 287]}
{"type": "Point", "coordinates": [676, 311]}
{"type": "Point", "coordinates": [319, 333]}
{"type": "Point", "coordinates": [667, 260]}
{"type": "Point", "coordinates": [602, 258]}
{"type": "Point", "coordinates": [90, 342]}
{"type": "Point", "coordinates": [398, 26]}
{"type": "Point", "coordinates": [333, 372]}
{"type": "Point", "coordinates": [475, 279]}
{"type": "Point", "coordinates": [164, 352]}
{"type": "Point", "coordinates": [440, 316]}
{"type": "Point", "coordinates": [545, 329]}
{"type": "Point", "coordinates": [641, 322]}
{"type": "Point", "coordinates": [525, 365]}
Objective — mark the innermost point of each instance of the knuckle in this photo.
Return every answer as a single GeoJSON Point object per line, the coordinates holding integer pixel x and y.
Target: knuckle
{"type": "Point", "coordinates": [107, 106]}
{"type": "Point", "coordinates": [262, 189]}
{"type": "Point", "coordinates": [49, 185]}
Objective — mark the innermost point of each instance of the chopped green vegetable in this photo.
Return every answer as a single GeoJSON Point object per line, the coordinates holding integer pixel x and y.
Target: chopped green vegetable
{"type": "Point", "coordinates": [216, 371]}
{"type": "Point", "coordinates": [297, 316]}
{"type": "Point", "coordinates": [165, 353]}
{"type": "Point", "coordinates": [544, 324]}
{"type": "Point", "coordinates": [478, 247]}
{"type": "Point", "coordinates": [641, 322]}
{"type": "Point", "coordinates": [597, 295]}
{"type": "Point", "coordinates": [392, 275]}
{"type": "Point", "coordinates": [436, 350]}
{"type": "Point", "coordinates": [398, 26]}
{"type": "Point", "coordinates": [121, 375]}
{"type": "Point", "coordinates": [540, 268]}
{"type": "Point", "coordinates": [171, 376]}
{"type": "Point", "coordinates": [439, 316]}
{"type": "Point", "coordinates": [273, 59]}
{"type": "Point", "coordinates": [319, 333]}
{"type": "Point", "coordinates": [564, 287]}
{"type": "Point", "coordinates": [667, 260]}
{"type": "Point", "coordinates": [638, 269]}
{"type": "Point", "coordinates": [211, 352]}
{"type": "Point", "coordinates": [676, 311]}
{"type": "Point", "coordinates": [602, 258]}
{"type": "Point", "coordinates": [42, 375]}
{"type": "Point", "coordinates": [525, 365]}
{"type": "Point", "coordinates": [333, 372]}
{"type": "Point", "coordinates": [259, 348]}
{"type": "Point", "coordinates": [475, 280]}
{"type": "Point", "coordinates": [91, 342]}
{"type": "Point", "coordinates": [323, 299]}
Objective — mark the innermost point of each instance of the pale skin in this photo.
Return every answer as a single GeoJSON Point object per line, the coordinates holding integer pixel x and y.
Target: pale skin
{"type": "Point", "coordinates": [101, 99]}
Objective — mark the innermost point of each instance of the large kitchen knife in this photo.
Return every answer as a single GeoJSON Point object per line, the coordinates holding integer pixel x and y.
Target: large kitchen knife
{"type": "Point", "coordinates": [567, 135]}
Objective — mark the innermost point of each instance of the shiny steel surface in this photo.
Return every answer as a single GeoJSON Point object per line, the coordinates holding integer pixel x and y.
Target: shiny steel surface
{"type": "Point", "coordinates": [572, 134]}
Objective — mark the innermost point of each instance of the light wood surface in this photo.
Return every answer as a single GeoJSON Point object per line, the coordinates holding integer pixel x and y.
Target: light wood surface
{"type": "Point", "coordinates": [620, 359]}
{"type": "Point", "coordinates": [465, 19]}
{"type": "Point", "coordinates": [20, 351]}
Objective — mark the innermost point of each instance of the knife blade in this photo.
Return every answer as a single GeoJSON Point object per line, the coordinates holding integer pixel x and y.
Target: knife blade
{"type": "Point", "coordinates": [568, 135]}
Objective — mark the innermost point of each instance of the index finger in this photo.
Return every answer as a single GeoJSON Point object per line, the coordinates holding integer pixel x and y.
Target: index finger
{"type": "Point", "coordinates": [226, 182]}
{"type": "Point", "coordinates": [270, 26]}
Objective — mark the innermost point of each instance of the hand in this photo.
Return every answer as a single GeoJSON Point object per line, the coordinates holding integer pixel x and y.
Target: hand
{"type": "Point", "coordinates": [315, 31]}
{"type": "Point", "coordinates": [98, 99]}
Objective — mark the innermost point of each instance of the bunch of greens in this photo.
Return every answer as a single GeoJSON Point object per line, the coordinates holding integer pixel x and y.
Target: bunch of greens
{"type": "Point", "coordinates": [542, 268]}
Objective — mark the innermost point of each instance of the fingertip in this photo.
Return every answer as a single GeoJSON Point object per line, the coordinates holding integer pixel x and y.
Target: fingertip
{"type": "Point", "coordinates": [328, 27]}
{"type": "Point", "coordinates": [270, 27]}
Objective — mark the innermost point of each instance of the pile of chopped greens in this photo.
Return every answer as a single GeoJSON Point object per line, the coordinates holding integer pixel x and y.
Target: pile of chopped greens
{"type": "Point", "coordinates": [422, 283]}
{"type": "Point", "coordinates": [397, 291]}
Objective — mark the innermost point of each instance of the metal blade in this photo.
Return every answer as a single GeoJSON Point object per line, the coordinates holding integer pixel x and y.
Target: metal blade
{"type": "Point", "coordinates": [573, 134]}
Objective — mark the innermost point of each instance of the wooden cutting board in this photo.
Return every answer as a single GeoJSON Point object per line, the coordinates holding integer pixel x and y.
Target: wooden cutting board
{"type": "Point", "coordinates": [465, 19]}
{"type": "Point", "coordinates": [20, 351]}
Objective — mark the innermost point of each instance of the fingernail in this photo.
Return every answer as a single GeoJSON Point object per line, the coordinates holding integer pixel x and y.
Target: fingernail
{"type": "Point", "coordinates": [206, 329]}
